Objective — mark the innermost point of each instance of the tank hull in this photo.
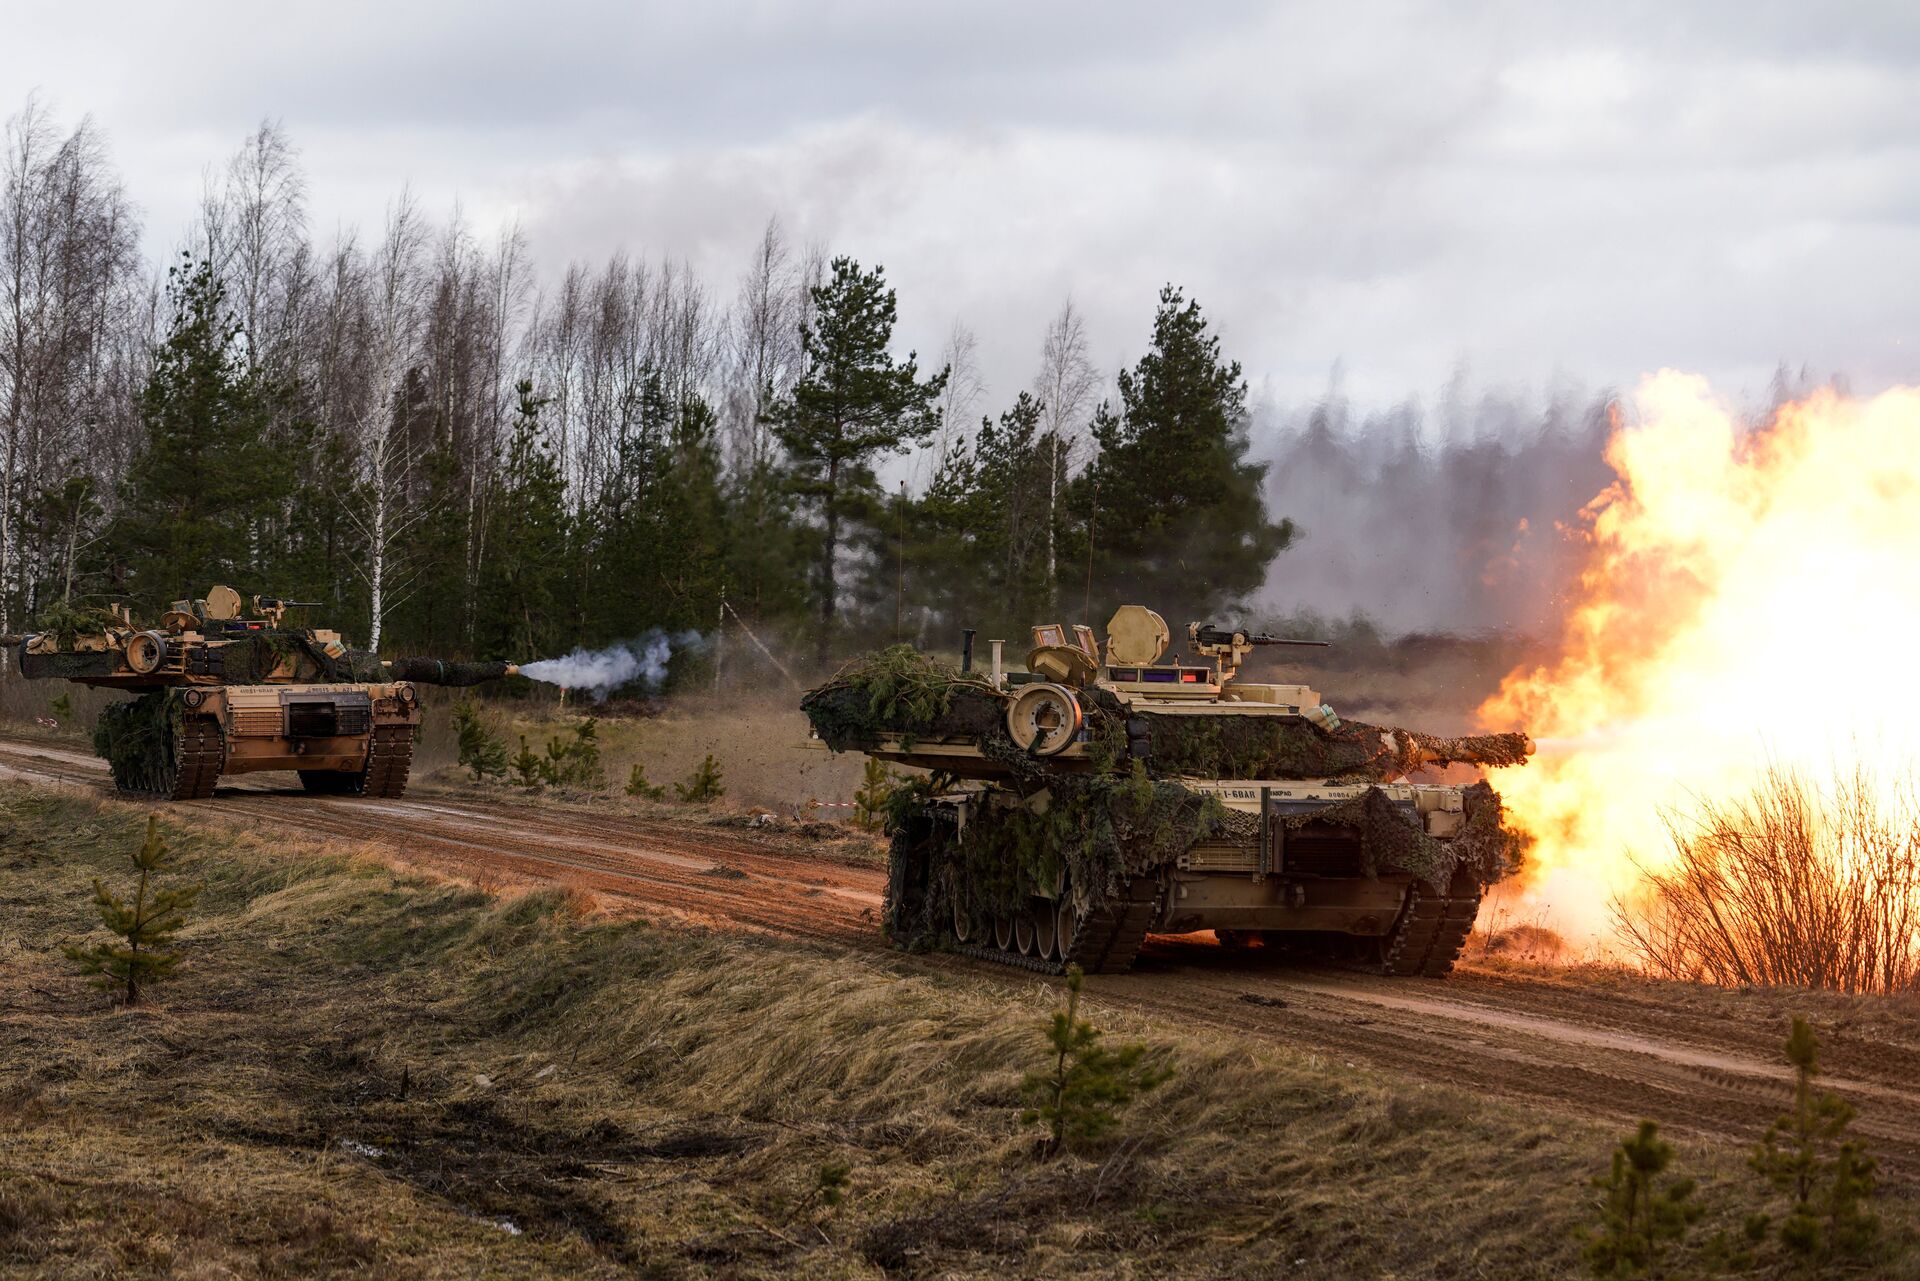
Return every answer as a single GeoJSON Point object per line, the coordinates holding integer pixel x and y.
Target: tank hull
{"type": "Point", "coordinates": [341, 739]}
{"type": "Point", "coordinates": [1016, 901]}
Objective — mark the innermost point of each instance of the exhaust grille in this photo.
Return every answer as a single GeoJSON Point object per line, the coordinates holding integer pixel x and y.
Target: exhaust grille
{"type": "Point", "coordinates": [1218, 856]}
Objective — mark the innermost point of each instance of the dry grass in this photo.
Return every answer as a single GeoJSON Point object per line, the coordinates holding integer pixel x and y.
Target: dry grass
{"type": "Point", "coordinates": [368, 1074]}
{"type": "Point", "coordinates": [1794, 885]}
{"type": "Point", "coordinates": [760, 741]}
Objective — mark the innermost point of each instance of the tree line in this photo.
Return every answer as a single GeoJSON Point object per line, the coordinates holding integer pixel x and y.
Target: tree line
{"type": "Point", "coordinates": [451, 457]}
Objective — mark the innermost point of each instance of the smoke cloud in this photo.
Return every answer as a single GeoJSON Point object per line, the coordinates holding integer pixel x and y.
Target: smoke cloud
{"type": "Point", "coordinates": [641, 662]}
{"type": "Point", "coordinates": [1455, 518]}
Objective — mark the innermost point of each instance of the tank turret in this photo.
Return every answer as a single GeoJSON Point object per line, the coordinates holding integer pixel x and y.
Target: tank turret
{"type": "Point", "coordinates": [221, 688]}
{"type": "Point", "coordinates": [1105, 792]}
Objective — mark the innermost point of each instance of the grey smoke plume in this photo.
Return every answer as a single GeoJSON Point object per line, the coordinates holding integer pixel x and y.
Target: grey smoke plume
{"type": "Point", "coordinates": [1455, 518]}
{"type": "Point", "coordinates": [601, 671]}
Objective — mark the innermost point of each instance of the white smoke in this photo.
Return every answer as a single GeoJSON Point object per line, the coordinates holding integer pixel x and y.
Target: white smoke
{"type": "Point", "coordinates": [601, 671]}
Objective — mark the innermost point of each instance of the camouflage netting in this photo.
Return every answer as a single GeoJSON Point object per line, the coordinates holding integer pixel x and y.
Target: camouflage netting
{"type": "Point", "coordinates": [1394, 840]}
{"type": "Point", "coordinates": [1246, 746]}
{"type": "Point", "coordinates": [1099, 830]}
{"type": "Point", "coordinates": [137, 733]}
{"type": "Point", "coordinates": [67, 666]}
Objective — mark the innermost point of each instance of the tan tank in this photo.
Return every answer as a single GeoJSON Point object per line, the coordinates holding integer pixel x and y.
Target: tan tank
{"type": "Point", "coordinates": [223, 690]}
{"type": "Point", "coordinates": [1101, 794]}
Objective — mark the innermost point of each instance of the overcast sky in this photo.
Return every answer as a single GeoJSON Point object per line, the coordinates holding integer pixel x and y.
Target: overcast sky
{"type": "Point", "coordinates": [1578, 192]}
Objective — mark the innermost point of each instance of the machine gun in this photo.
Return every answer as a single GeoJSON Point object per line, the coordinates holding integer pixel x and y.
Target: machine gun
{"type": "Point", "coordinates": [274, 608]}
{"type": "Point", "coordinates": [1229, 649]}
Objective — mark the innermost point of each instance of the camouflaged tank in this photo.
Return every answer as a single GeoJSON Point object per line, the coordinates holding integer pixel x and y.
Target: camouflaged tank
{"type": "Point", "coordinates": [220, 691]}
{"type": "Point", "coordinates": [1069, 810]}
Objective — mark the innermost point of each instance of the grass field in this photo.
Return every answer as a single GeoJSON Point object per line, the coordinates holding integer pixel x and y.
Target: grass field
{"type": "Point", "coordinates": [360, 1072]}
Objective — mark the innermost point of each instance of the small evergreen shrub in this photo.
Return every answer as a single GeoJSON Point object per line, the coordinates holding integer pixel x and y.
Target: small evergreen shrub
{"type": "Point", "coordinates": [480, 750]}
{"type": "Point", "coordinates": [527, 766]}
{"type": "Point", "coordinates": [575, 762]}
{"type": "Point", "coordinates": [637, 785]}
{"type": "Point", "coordinates": [876, 789]}
{"type": "Point", "coordinates": [1828, 1176]}
{"type": "Point", "coordinates": [62, 707]}
{"type": "Point", "coordinates": [1080, 1096]}
{"type": "Point", "coordinates": [1638, 1216]}
{"type": "Point", "coordinates": [703, 785]}
{"type": "Point", "coordinates": [144, 928]}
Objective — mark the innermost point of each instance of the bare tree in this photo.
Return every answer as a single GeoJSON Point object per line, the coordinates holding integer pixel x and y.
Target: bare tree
{"type": "Point", "coordinates": [67, 263]}
{"type": "Point", "coordinates": [961, 355]}
{"type": "Point", "coordinates": [764, 350]}
{"type": "Point", "coordinates": [265, 236]}
{"type": "Point", "coordinates": [392, 294]}
{"type": "Point", "coordinates": [1064, 387]}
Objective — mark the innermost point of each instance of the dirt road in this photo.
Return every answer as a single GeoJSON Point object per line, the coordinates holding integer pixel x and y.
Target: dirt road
{"type": "Point", "coordinates": [1697, 1059]}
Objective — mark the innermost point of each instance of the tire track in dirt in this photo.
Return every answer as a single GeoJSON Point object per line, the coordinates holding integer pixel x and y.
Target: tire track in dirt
{"type": "Point", "coordinates": [1697, 1059]}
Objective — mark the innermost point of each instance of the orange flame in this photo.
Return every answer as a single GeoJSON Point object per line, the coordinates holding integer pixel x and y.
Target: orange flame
{"type": "Point", "coordinates": [1749, 596]}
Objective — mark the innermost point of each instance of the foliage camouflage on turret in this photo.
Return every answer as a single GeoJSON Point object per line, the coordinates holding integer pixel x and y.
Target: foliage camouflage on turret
{"type": "Point", "coordinates": [1268, 747]}
{"type": "Point", "coordinates": [899, 692]}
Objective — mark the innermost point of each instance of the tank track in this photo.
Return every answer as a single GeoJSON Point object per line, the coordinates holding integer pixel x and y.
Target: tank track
{"type": "Point", "coordinates": [1432, 929]}
{"type": "Point", "coordinates": [1105, 941]}
{"type": "Point", "coordinates": [199, 753]}
{"type": "Point", "coordinates": [389, 760]}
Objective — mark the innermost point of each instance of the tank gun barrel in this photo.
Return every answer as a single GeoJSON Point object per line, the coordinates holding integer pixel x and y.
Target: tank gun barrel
{"type": "Point", "coordinates": [438, 671]}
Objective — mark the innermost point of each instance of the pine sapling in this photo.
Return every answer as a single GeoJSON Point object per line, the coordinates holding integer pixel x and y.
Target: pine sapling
{"type": "Point", "coordinates": [1080, 1096]}
{"type": "Point", "coordinates": [62, 707]}
{"type": "Point", "coordinates": [575, 762]}
{"type": "Point", "coordinates": [870, 802]}
{"type": "Point", "coordinates": [1807, 1154]}
{"type": "Point", "coordinates": [703, 785]}
{"type": "Point", "coordinates": [637, 785]}
{"type": "Point", "coordinates": [145, 928]}
{"type": "Point", "coordinates": [1638, 1216]}
{"type": "Point", "coordinates": [480, 751]}
{"type": "Point", "coordinates": [527, 764]}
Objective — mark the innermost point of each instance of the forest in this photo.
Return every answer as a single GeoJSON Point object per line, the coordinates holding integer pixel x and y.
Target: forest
{"type": "Point", "coordinates": [451, 453]}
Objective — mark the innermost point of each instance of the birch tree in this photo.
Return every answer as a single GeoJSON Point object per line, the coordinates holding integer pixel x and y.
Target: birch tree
{"type": "Point", "coordinates": [1064, 388]}
{"type": "Point", "coordinates": [66, 259]}
{"type": "Point", "coordinates": [392, 305]}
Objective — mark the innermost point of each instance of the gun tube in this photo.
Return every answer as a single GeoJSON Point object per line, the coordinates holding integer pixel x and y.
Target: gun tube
{"type": "Point", "coordinates": [438, 671]}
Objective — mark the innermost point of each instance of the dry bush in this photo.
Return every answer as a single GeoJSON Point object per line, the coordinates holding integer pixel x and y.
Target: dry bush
{"type": "Point", "coordinates": [1795, 884]}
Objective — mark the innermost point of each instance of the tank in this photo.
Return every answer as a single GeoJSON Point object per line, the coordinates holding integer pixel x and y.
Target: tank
{"type": "Point", "coordinates": [221, 690]}
{"type": "Point", "coordinates": [1107, 792]}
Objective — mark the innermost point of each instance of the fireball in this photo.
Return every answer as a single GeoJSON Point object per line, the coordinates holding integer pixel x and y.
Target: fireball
{"type": "Point", "coordinates": [1750, 597]}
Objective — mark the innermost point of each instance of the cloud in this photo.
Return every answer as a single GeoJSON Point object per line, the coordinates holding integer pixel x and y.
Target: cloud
{"type": "Point", "coordinates": [1534, 190]}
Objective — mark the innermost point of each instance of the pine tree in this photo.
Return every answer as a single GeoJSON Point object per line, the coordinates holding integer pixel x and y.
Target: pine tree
{"type": "Point", "coordinates": [479, 750]}
{"type": "Point", "coordinates": [527, 765]}
{"type": "Point", "coordinates": [876, 788]}
{"type": "Point", "coordinates": [195, 501]}
{"type": "Point", "coordinates": [147, 926]}
{"type": "Point", "coordinates": [1176, 512]}
{"type": "Point", "coordinates": [853, 404]}
{"type": "Point", "coordinates": [703, 785]}
{"type": "Point", "coordinates": [575, 762]}
{"type": "Point", "coordinates": [637, 784]}
{"type": "Point", "coordinates": [1639, 1217]}
{"type": "Point", "coordinates": [1080, 1096]}
{"type": "Point", "coordinates": [1807, 1154]}
{"type": "Point", "coordinates": [528, 542]}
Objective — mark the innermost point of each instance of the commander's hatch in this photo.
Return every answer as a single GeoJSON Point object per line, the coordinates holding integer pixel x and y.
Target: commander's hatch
{"type": "Point", "coordinates": [1137, 639]}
